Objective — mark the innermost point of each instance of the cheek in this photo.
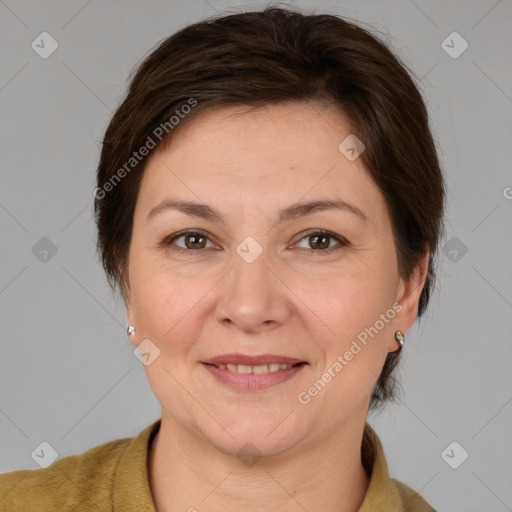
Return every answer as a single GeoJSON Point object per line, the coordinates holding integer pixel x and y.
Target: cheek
{"type": "Point", "coordinates": [358, 296]}
{"type": "Point", "coordinates": [359, 309]}
{"type": "Point", "coordinates": [164, 304]}
{"type": "Point", "coordinates": [348, 294]}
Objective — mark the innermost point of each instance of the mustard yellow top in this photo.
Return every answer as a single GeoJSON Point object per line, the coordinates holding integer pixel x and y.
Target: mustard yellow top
{"type": "Point", "coordinates": [113, 476]}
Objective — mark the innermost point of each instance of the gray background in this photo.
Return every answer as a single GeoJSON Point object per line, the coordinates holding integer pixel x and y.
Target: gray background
{"type": "Point", "coordinates": [68, 374]}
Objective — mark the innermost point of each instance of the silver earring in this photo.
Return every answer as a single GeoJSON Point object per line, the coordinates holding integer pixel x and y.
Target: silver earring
{"type": "Point", "coordinates": [130, 330]}
{"type": "Point", "coordinates": [399, 336]}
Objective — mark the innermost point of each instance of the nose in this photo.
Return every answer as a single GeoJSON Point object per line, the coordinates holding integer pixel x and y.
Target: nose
{"type": "Point", "coordinates": [253, 296]}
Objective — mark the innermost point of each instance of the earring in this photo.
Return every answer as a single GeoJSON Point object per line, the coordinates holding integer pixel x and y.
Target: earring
{"type": "Point", "coordinates": [399, 336]}
{"type": "Point", "coordinates": [130, 330]}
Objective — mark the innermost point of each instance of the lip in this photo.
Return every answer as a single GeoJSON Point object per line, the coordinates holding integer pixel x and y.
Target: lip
{"type": "Point", "coordinates": [253, 381]}
{"type": "Point", "coordinates": [252, 360]}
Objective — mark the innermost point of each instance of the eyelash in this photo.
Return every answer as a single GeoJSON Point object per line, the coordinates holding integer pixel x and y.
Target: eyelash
{"type": "Point", "coordinates": [322, 232]}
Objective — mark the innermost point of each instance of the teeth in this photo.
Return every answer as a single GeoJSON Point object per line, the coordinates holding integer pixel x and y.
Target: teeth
{"type": "Point", "coordinates": [262, 368]}
{"type": "Point", "coordinates": [259, 369]}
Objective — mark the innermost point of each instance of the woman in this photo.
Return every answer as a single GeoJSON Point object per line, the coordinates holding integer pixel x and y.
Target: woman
{"type": "Point", "coordinates": [269, 202]}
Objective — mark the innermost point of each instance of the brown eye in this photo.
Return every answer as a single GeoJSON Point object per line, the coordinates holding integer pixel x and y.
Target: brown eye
{"type": "Point", "coordinates": [195, 241]}
{"type": "Point", "coordinates": [192, 241]}
{"type": "Point", "coordinates": [320, 241]}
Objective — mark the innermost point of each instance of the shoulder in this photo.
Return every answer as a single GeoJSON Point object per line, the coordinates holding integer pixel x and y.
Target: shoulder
{"type": "Point", "coordinates": [68, 482]}
{"type": "Point", "coordinates": [411, 500]}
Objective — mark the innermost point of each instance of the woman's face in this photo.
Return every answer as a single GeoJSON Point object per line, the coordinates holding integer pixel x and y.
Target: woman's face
{"type": "Point", "coordinates": [259, 280]}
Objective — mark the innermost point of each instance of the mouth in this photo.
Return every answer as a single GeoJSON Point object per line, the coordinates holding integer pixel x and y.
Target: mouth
{"type": "Point", "coordinates": [252, 373]}
{"type": "Point", "coordinates": [258, 369]}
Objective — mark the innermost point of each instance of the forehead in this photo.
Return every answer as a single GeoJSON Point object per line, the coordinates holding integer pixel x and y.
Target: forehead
{"type": "Point", "coordinates": [268, 131]}
{"type": "Point", "coordinates": [270, 156]}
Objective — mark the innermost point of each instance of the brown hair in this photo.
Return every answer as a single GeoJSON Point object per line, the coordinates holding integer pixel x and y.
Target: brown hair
{"type": "Point", "coordinates": [267, 57]}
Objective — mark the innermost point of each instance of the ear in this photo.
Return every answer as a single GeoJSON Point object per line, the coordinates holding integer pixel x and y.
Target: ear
{"type": "Point", "coordinates": [408, 296]}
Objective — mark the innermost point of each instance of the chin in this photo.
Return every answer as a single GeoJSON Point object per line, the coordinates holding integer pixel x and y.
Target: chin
{"type": "Point", "coordinates": [255, 437]}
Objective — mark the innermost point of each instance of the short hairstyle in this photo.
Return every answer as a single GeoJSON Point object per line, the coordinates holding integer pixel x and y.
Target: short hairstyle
{"type": "Point", "coordinates": [269, 57]}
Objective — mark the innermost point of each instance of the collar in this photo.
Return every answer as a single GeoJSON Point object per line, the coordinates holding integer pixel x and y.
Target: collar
{"type": "Point", "coordinates": [131, 490]}
{"type": "Point", "coordinates": [381, 494]}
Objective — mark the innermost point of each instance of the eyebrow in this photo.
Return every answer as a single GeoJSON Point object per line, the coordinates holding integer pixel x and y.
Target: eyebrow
{"type": "Point", "coordinates": [294, 211]}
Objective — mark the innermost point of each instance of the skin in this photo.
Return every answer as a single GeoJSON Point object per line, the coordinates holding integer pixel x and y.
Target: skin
{"type": "Point", "coordinates": [292, 300]}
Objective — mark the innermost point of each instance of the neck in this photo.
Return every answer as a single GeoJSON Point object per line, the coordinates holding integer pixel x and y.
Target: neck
{"type": "Point", "coordinates": [186, 473]}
